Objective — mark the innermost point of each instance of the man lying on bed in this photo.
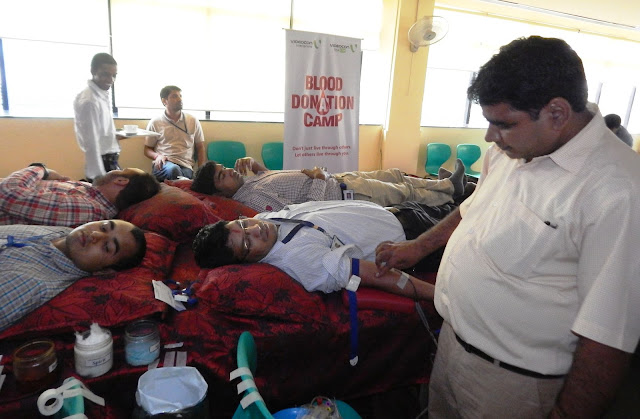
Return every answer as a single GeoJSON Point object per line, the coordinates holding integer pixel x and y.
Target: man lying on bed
{"type": "Point", "coordinates": [318, 252]}
{"type": "Point", "coordinates": [38, 262]}
{"type": "Point", "coordinates": [37, 195]}
{"type": "Point", "coordinates": [271, 190]}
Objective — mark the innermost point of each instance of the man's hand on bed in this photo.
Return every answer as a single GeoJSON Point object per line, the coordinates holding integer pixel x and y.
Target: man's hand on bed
{"type": "Point", "coordinates": [53, 175]}
{"type": "Point", "coordinates": [316, 173]}
{"type": "Point", "coordinates": [397, 255]}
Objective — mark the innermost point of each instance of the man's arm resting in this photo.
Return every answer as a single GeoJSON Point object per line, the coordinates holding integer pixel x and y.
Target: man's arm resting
{"type": "Point", "coordinates": [406, 254]}
{"type": "Point", "coordinates": [150, 153]}
{"type": "Point", "coordinates": [414, 288]}
{"type": "Point", "coordinates": [201, 154]}
{"type": "Point", "coordinates": [158, 158]}
{"type": "Point", "coordinates": [22, 181]}
{"type": "Point", "coordinates": [593, 380]}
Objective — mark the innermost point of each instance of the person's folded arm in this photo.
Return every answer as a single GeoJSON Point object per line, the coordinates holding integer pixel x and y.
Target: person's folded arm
{"type": "Point", "coordinates": [18, 187]}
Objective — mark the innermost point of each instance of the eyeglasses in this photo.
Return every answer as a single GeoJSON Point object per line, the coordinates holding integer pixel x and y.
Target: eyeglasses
{"type": "Point", "coordinates": [246, 244]}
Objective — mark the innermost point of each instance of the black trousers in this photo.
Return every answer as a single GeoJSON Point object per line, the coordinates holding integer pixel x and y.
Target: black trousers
{"type": "Point", "coordinates": [417, 218]}
{"type": "Point", "coordinates": [110, 161]}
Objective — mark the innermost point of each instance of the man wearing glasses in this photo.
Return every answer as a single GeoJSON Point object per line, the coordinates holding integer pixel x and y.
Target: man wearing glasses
{"type": "Point", "coordinates": [316, 243]}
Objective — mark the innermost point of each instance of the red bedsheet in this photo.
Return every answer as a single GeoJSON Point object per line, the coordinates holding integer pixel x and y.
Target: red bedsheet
{"type": "Point", "coordinates": [302, 338]}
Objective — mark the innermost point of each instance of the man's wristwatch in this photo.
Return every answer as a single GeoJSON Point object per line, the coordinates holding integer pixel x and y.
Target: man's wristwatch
{"type": "Point", "coordinates": [46, 172]}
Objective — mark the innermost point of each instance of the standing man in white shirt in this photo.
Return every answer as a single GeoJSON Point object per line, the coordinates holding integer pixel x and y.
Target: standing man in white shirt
{"type": "Point", "coordinates": [180, 133]}
{"type": "Point", "coordinates": [538, 286]}
{"type": "Point", "coordinates": [95, 131]}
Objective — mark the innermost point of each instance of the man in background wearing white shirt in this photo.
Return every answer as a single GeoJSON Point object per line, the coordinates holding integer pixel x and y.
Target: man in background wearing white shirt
{"type": "Point", "coordinates": [95, 131]}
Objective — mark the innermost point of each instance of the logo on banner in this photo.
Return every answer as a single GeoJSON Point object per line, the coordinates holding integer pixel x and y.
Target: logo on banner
{"type": "Point", "coordinates": [323, 101]}
{"type": "Point", "coordinates": [343, 48]}
{"type": "Point", "coordinates": [303, 43]}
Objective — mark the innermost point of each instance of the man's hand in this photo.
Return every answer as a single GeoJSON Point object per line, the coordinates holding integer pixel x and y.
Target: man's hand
{"type": "Point", "coordinates": [397, 255]}
{"type": "Point", "coordinates": [53, 175]}
{"type": "Point", "coordinates": [158, 162]}
{"type": "Point", "coordinates": [316, 173]}
{"type": "Point", "coordinates": [244, 165]}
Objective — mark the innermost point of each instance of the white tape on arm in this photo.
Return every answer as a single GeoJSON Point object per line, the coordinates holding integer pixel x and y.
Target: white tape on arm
{"type": "Point", "coordinates": [354, 283]}
{"type": "Point", "coordinates": [402, 281]}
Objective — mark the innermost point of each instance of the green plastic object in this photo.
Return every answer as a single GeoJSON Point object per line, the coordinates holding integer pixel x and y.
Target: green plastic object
{"type": "Point", "coordinates": [226, 152]}
{"type": "Point", "coordinates": [437, 155]}
{"type": "Point", "coordinates": [247, 357]}
{"type": "Point", "coordinates": [272, 155]}
{"type": "Point", "coordinates": [469, 154]}
{"type": "Point", "coordinates": [72, 405]}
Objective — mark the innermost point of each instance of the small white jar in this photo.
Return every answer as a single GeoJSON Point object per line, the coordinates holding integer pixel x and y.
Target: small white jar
{"type": "Point", "coordinates": [93, 352]}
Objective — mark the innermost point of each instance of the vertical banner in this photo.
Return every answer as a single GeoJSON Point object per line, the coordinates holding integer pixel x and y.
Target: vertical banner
{"type": "Point", "coordinates": [322, 101]}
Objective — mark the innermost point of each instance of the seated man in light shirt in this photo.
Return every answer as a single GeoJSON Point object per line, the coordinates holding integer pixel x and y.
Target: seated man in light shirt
{"type": "Point", "coordinates": [172, 151]}
{"type": "Point", "coordinates": [39, 262]}
{"type": "Point", "coordinates": [319, 254]}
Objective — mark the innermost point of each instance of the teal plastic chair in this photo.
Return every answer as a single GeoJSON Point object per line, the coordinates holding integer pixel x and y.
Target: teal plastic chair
{"type": "Point", "coordinates": [252, 405]}
{"type": "Point", "coordinates": [437, 155]}
{"type": "Point", "coordinates": [272, 154]}
{"type": "Point", "coordinates": [469, 154]}
{"type": "Point", "coordinates": [226, 152]}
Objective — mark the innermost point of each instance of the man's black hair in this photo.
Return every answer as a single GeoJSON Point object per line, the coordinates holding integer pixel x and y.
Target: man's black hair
{"type": "Point", "coordinates": [613, 121]}
{"type": "Point", "coordinates": [139, 188]}
{"type": "Point", "coordinates": [210, 246]}
{"type": "Point", "coordinates": [99, 59]}
{"type": "Point", "coordinates": [203, 180]}
{"type": "Point", "coordinates": [166, 91]}
{"type": "Point", "coordinates": [528, 72]}
{"type": "Point", "coordinates": [135, 259]}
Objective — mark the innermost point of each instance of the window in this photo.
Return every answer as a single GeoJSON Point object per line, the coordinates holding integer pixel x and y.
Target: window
{"type": "Point", "coordinates": [634, 117]}
{"type": "Point", "coordinates": [612, 67]}
{"type": "Point", "coordinates": [3, 85]}
{"type": "Point", "coordinates": [447, 89]}
{"type": "Point", "coordinates": [616, 98]}
{"type": "Point", "coordinates": [47, 60]}
{"type": "Point", "coordinates": [226, 55]}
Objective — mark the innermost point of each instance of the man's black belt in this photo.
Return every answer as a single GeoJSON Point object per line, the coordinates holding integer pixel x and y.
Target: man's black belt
{"type": "Point", "coordinates": [473, 350]}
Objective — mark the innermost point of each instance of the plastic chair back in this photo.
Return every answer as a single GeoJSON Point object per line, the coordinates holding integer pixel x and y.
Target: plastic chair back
{"type": "Point", "coordinates": [437, 155]}
{"type": "Point", "coordinates": [272, 154]}
{"type": "Point", "coordinates": [226, 152]}
{"type": "Point", "coordinates": [247, 357]}
{"type": "Point", "coordinates": [469, 154]}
